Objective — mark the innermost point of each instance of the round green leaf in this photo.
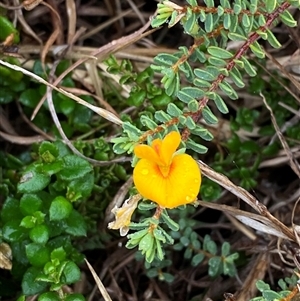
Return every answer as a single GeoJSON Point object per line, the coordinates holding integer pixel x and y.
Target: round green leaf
{"type": "Point", "coordinates": [30, 98]}
{"type": "Point", "coordinates": [37, 254]}
{"type": "Point", "coordinates": [30, 203]}
{"type": "Point", "coordinates": [71, 273]}
{"type": "Point", "coordinates": [12, 231]}
{"type": "Point", "coordinates": [74, 167]}
{"type": "Point", "coordinates": [215, 264]}
{"type": "Point", "coordinates": [33, 181]}
{"type": "Point", "coordinates": [60, 208]}
{"type": "Point", "coordinates": [30, 286]}
{"type": "Point", "coordinates": [75, 297]}
{"type": "Point", "coordinates": [75, 224]}
{"type": "Point", "coordinates": [49, 296]}
{"type": "Point", "coordinates": [10, 210]}
{"type": "Point", "coordinates": [39, 234]}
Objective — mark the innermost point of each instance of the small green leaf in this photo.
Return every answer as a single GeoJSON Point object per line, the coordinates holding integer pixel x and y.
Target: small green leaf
{"type": "Point", "coordinates": [225, 249]}
{"type": "Point", "coordinates": [162, 116]}
{"type": "Point", "coordinates": [12, 231]}
{"type": "Point", "coordinates": [215, 265]}
{"type": "Point", "coordinates": [49, 147]}
{"type": "Point", "coordinates": [270, 5]}
{"type": "Point", "coordinates": [211, 247]}
{"type": "Point", "coordinates": [287, 18]}
{"type": "Point", "coordinates": [149, 123]}
{"type": "Point", "coordinates": [30, 286]}
{"type": "Point", "coordinates": [58, 254]}
{"type": "Point", "coordinates": [146, 242]}
{"type": "Point", "coordinates": [165, 59]}
{"type": "Point", "coordinates": [246, 21]}
{"type": "Point", "coordinates": [173, 110]}
{"type": "Point", "coordinates": [28, 222]}
{"type": "Point", "coordinates": [248, 67]}
{"type": "Point", "coordinates": [39, 234]}
{"type": "Point", "coordinates": [74, 167]}
{"type": "Point", "coordinates": [271, 295]}
{"type": "Point", "coordinates": [200, 55]}
{"type": "Point", "coordinates": [257, 50]}
{"type": "Point", "coordinates": [74, 224]}
{"type": "Point", "coordinates": [226, 88]}
{"type": "Point", "coordinates": [209, 22]}
{"type": "Point", "coordinates": [220, 104]}
{"type": "Point", "coordinates": [200, 149]}
{"type": "Point", "coordinates": [193, 105]}
{"type": "Point", "coordinates": [236, 76]}
{"type": "Point", "coordinates": [201, 83]}
{"type": "Point", "coordinates": [219, 52]}
{"type": "Point", "coordinates": [37, 254]}
{"type": "Point", "coordinates": [262, 286]}
{"type": "Point", "coordinates": [33, 181]}
{"type": "Point", "coordinates": [156, 22]}
{"type": "Point", "coordinates": [188, 94]}
{"type": "Point", "coordinates": [60, 208]}
{"type": "Point", "coordinates": [160, 254]}
{"type": "Point", "coordinates": [49, 296]}
{"type": "Point", "coordinates": [10, 210]}
{"type": "Point", "coordinates": [227, 21]}
{"type": "Point", "coordinates": [74, 297]}
{"type": "Point", "coordinates": [30, 203]}
{"type": "Point", "coordinates": [170, 223]}
{"type": "Point", "coordinates": [203, 133]}
{"type": "Point", "coordinates": [233, 36]}
{"type": "Point", "coordinates": [272, 39]}
{"type": "Point", "coordinates": [190, 23]}
{"type": "Point", "coordinates": [208, 116]}
{"type": "Point", "coordinates": [197, 259]}
{"type": "Point", "coordinates": [204, 74]}
{"type": "Point", "coordinates": [136, 98]}
{"type": "Point", "coordinates": [209, 3]}
{"type": "Point", "coordinates": [190, 123]}
{"type": "Point", "coordinates": [237, 8]}
{"type": "Point", "coordinates": [216, 61]}
{"type": "Point", "coordinates": [161, 100]}
{"type": "Point", "coordinates": [71, 273]}
{"type": "Point", "coordinates": [30, 98]}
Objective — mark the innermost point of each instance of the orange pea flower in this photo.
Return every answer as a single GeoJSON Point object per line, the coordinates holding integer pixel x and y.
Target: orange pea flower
{"type": "Point", "coordinates": [168, 179]}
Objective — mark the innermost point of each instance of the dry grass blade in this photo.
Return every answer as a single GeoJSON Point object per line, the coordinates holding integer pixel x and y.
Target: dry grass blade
{"type": "Point", "coordinates": [293, 162]}
{"type": "Point", "coordinates": [27, 29]}
{"type": "Point", "coordinates": [22, 140]}
{"type": "Point", "coordinates": [99, 283]}
{"type": "Point", "coordinates": [249, 199]}
{"type": "Point", "coordinates": [258, 270]}
{"type": "Point", "coordinates": [102, 112]}
{"type": "Point", "coordinates": [101, 53]}
{"type": "Point", "coordinates": [255, 221]}
{"type": "Point", "coordinates": [72, 18]}
{"type": "Point", "coordinates": [287, 74]}
{"type": "Point", "coordinates": [56, 35]}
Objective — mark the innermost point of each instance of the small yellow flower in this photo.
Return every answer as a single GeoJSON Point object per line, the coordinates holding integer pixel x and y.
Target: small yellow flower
{"type": "Point", "coordinates": [163, 177]}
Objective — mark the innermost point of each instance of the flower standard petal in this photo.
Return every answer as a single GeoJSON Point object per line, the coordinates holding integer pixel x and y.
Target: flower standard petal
{"type": "Point", "coordinates": [147, 152]}
{"type": "Point", "coordinates": [169, 146]}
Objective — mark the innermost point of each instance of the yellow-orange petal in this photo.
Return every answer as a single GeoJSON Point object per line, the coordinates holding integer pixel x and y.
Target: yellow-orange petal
{"type": "Point", "coordinates": [156, 146]}
{"type": "Point", "coordinates": [169, 146]}
{"type": "Point", "coordinates": [179, 188]}
{"type": "Point", "coordinates": [147, 152]}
